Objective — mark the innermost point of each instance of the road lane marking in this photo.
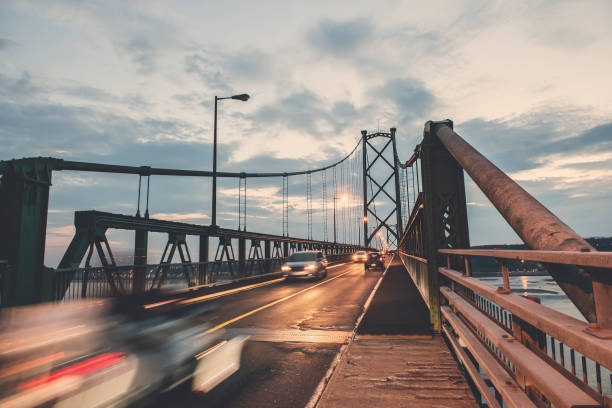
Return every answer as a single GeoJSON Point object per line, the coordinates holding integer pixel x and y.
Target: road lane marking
{"type": "Point", "coordinates": [242, 316]}
{"type": "Point", "coordinates": [335, 266]}
{"type": "Point", "coordinates": [226, 292]}
{"type": "Point", "coordinates": [229, 291]}
{"type": "Point", "coordinates": [290, 335]}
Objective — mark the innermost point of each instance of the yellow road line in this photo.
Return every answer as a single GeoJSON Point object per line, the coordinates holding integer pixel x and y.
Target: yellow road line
{"type": "Point", "coordinates": [242, 316]}
{"type": "Point", "coordinates": [335, 266]}
{"type": "Point", "coordinates": [229, 291]}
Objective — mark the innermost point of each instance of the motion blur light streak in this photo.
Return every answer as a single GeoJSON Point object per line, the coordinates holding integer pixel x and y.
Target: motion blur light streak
{"type": "Point", "coordinates": [230, 291]}
{"type": "Point", "coordinates": [31, 364]}
{"type": "Point", "coordinates": [80, 369]}
{"type": "Point", "coordinates": [210, 350]}
{"type": "Point", "coordinates": [152, 305]}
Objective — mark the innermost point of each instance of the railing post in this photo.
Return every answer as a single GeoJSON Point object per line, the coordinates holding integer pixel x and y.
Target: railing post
{"type": "Point", "coordinates": [140, 261]}
{"type": "Point", "coordinates": [241, 256]}
{"type": "Point", "coordinates": [267, 256]}
{"type": "Point", "coordinates": [444, 211]}
{"type": "Point", "coordinates": [203, 258]}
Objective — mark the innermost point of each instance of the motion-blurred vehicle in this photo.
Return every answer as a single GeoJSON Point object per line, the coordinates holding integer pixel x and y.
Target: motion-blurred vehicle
{"type": "Point", "coordinates": [375, 261]}
{"type": "Point", "coordinates": [305, 265]}
{"type": "Point", "coordinates": [111, 353]}
{"type": "Point", "coordinates": [360, 257]}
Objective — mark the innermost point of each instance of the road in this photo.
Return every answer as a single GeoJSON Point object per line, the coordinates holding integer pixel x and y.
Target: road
{"type": "Point", "coordinates": [296, 329]}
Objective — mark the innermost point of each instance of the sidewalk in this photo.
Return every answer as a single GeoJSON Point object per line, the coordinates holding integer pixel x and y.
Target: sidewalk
{"type": "Point", "coordinates": [395, 361]}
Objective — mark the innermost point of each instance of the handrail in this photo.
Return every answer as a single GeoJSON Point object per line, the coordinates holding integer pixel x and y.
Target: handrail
{"type": "Point", "coordinates": [588, 259]}
{"type": "Point", "coordinates": [567, 329]}
{"type": "Point", "coordinates": [535, 224]}
{"type": "Point", "coordinates": [560, 390]}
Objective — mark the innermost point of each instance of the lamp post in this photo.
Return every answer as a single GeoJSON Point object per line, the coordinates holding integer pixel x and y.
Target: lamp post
{"type": "Point", "coordinates": [240, 97]}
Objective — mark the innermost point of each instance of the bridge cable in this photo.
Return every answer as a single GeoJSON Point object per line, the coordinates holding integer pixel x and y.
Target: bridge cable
{"type": "Point", "coordinates": [309, 203]}
{"type": "Point", "coordinates": [324, 183]}
{"type": "Point", "coordinates": [148, 189]}
{"type": "Point", "coordinates": [417, 174]}
{"type": "Point", "coordinates": [285, 206]}
{"type": "Point", "coordinates": [407, 192]}
{"type": "Point", "coordinates": [414, 195]}
{"type": "Point", "coordinates": [138, 207]}
{"type": "Point", "coordinates": [242, 187]}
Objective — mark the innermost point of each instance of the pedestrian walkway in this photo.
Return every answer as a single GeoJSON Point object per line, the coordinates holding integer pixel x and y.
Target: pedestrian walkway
{"type": "Point", "coordinates": [395, 361]}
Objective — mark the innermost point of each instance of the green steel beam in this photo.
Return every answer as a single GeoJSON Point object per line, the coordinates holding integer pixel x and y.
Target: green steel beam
{"type": "Point", "coordinates": [24, 199]}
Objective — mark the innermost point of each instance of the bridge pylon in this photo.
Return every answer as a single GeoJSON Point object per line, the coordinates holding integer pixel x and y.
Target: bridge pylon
{"type": "Point", "coordinates": [380, 167]}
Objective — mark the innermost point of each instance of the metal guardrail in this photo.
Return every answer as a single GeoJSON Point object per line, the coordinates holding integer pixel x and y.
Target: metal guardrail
{"type": "Point", "coordinates": [94, 282]}
{"type": "Point", "coordinates": [517, 352]}
{"type": "Point", "coordinates": [557, 358]}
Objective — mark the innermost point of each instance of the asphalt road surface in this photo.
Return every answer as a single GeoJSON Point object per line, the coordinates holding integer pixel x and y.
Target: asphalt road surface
{"type": "Point", "coordinates": [296, 330]}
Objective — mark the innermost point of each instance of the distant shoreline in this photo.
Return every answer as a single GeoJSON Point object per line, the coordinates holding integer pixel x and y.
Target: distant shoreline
{"type": "Point", "coordinates": [512, 273]}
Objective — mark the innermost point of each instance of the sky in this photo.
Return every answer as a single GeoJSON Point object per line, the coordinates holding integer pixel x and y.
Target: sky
{"type": "Point", "coordinates": [527, 83]}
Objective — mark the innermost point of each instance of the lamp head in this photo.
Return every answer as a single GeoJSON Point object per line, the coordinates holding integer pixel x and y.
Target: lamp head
{"type": "Point", "coordinates": [241, 97]}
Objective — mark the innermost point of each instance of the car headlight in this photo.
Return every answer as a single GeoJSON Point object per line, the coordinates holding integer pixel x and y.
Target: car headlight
{"type": "Point", "coordinates": [285, 268]}
{"type": "Point", "coordinates": [310, 267]}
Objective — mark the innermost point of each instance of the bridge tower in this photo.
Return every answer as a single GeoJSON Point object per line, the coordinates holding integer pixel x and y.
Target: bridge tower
{"type": "Point", "coordinates": [381, 166]}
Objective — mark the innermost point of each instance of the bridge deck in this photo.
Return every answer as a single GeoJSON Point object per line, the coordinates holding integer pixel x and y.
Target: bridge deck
{"type": "Point", "coordinates": [394, 361]}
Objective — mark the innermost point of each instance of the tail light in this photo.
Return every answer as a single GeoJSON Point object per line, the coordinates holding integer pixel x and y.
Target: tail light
{"type": "Point", "coordinates": [79, 369]}
{"type": "Point", "coordinates": [380, 259]}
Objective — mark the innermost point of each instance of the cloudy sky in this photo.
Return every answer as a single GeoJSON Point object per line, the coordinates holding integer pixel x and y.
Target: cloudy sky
{"type": "Point", "coordinates": [526, 83]}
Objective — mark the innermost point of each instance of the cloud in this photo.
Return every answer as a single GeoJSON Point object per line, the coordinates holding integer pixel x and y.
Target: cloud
{"type": "Point", "coordinates": [568, 171]}
{"type": "Point", "coordinates": [301, 110]}
{"type": "Point", "coordinates": [180, 216]}
{"type": "Point", "coordinates": [142, 53]}
{"type": "Point", "coordinates": [410, 98]}
{"type": "Point", "coordinates": [251, 64]}
{"type": "Point", "coordinates": [87, 92]}
{"type": "Point", "coordinates": [207, 71]}
{"type": "Point", "coordinates": [5, 43]}
{"type": "Point", "coordinates": [340, 38]}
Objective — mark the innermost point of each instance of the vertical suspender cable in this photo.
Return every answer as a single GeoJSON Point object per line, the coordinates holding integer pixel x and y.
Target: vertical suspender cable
{"type": "Point", "coordinates": [148, 189]}
{"type": "Point", "coordinates": [139, 182]}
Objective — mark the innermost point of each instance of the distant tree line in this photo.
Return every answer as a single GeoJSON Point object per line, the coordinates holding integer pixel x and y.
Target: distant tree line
{"type": "Point", "coordinates": [481, 264]}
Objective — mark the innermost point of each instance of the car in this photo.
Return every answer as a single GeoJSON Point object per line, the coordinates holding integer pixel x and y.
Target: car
{"type": "Point", "coordinates": [305, 265]}
{"type": "Point", "coordinates": [360, 257]}
{"type": "Point", "coordinates": [117, 352]}
{"type": "Point", "coordinates": [375, 261]}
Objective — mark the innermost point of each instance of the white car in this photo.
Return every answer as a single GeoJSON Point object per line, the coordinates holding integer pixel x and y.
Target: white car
{"type": "Point", "coordinates": [111, 353]}
{"type": "Point", "coordinates": [305, 265]}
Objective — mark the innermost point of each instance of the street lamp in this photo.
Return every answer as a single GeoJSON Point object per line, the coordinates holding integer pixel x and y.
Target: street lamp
{"type": "Point", "coordinates": [240, 97]}
{"type": "Point", "coordinates": [335, 198]}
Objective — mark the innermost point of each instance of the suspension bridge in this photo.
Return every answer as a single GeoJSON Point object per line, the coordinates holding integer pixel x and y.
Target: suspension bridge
{"type": "Point", "coordinates": [426, 332]}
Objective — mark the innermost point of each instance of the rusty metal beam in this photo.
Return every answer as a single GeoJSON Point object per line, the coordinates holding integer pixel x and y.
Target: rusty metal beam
{"type": "Point", "coordinates": [571, 331]}
{"type": "Point", "coordinates": [555, 386]}
{"type": "Point", "coordinates": [535, 224]}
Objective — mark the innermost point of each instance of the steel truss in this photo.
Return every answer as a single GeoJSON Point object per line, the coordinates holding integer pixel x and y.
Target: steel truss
{"type": "Point", "coordinates": [377, 186]}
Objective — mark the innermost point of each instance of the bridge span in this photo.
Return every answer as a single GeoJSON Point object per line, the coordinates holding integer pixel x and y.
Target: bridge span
{"type": "Point", "coordinates": [426, 331]}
